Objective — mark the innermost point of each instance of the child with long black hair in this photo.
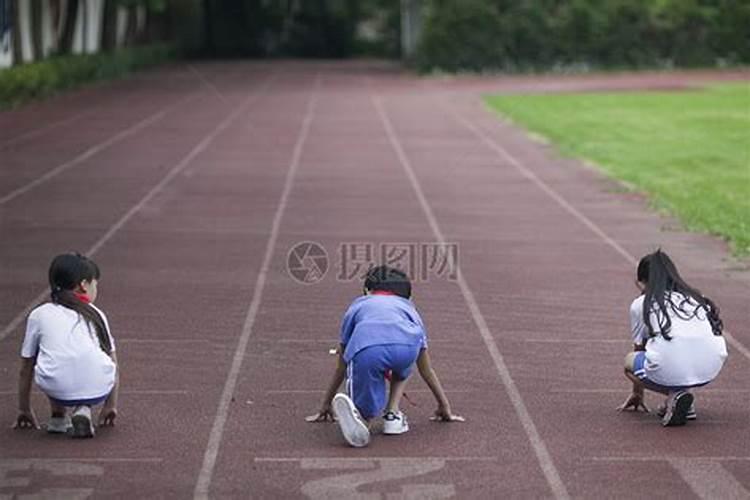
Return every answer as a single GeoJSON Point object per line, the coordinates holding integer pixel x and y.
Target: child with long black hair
{"type": "Point", "coordinates": [69, 352]}
{"type": "Point", "coordinates": [382, 337]}
{"type": "Point", "coordinates": [677, 337]}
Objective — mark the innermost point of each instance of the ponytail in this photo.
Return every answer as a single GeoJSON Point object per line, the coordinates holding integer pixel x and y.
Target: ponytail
{"type": "Point", "coordinates": [66, 272]}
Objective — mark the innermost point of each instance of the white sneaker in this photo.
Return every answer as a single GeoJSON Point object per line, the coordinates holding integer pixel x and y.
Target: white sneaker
{"type": "Point", "coordinates": [395, 423]}
{"type": "Point", "coordinates": [59, 425]}
{"type": "Point", "coordinates": [353, 427]}
{"type": "Point", "coordinates": [81, 420]}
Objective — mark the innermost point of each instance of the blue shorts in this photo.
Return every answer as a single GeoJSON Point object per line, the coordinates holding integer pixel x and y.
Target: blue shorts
{"type": "Point", "coordinates": [639, 370]}
{"type": "Point", "coordinates": [365, 382]}
{"type": "Point", "coordinates": [79, 402]}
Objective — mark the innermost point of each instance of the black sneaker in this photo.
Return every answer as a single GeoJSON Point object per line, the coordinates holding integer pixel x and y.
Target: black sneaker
{"type": "Point", "coordinates": [678, 407]}
{"type": "Point", "coordinates": [691, 414]}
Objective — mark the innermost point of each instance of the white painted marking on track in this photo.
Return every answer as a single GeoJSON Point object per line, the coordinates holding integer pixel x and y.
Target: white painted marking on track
{"type": "Point", "coordinates": [537, 443]}
{"type": "Point", "coordinates": [94, 150]}
{"type": "Point", "coordinates": [491, 143]}
{"type": "Point", "coordinates": [11, 470]}
{"type": "Point", "coordinates": [372, 472]}
{"type": "Point", "coordinates": [174, 171]}
{"type": "Point", "coordinates": [217, 430]}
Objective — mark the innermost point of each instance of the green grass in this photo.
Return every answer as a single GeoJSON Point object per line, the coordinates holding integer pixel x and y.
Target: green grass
{"type": "Point", "coordinates": [689, 151]}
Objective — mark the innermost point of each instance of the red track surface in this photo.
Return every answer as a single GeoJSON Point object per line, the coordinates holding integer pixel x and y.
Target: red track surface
{"type": "Point", "coordinates": [191, 216]}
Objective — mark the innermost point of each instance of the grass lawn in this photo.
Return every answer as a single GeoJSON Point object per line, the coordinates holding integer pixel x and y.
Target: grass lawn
{"type": "Point", "coordinates": [689, 151]}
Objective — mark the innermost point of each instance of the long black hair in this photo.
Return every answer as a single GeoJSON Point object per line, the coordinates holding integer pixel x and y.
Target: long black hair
{"type": "Point", "coordinates": [659, 274]}
{"type": "Point", "coordinates": [66, 272]}
{"type": "Point", "coordinates": [388, 279]}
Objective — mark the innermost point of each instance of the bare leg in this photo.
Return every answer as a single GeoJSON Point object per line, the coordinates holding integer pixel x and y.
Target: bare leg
{"type": "Point", "coordinates": [638, 386]}
{"type": "Point", "coordinates": [56, 411]}
{"type": "Point", "coordinates": [397, 391]}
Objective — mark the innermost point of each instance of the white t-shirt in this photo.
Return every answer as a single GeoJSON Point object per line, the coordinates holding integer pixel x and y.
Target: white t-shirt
{"type": "Point", "coordinates": [70, 364]}
{"type": "Point", "coordinates": [693, 356]}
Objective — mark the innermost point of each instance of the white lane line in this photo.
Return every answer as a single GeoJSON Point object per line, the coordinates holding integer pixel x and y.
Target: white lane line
{"type": "Point", "coordinates": [179, 167]}
{"type": "Point", "coordinates": [320, 391]}
{"type": "Point", "coordinates": [491, 143]}
{"type": "Point", "coordinates": [144, 392]}
{"type": "Point", "coordinates": [537, 443]}
{"type": "Point", "coordinates": [217, 430]}
{"type": "Point", "coordinates": [5, 461]}
{"type": "Point", "coordinates": [163, 341]}
{"type": "Point", "coordinates": [663, 458]}
{"type": "Point", "coordinates": [94, 150]}
{"type": "Point", "coordinates": [202, 78]}
{"type": "Point", "coordinates": [572, 341]}
{"type": "Point", "coordinates": [38, 131]}
{"type": "Point", "coordinates": [346, 460]}
{"type": "Point", "coordinates": [702, 392]}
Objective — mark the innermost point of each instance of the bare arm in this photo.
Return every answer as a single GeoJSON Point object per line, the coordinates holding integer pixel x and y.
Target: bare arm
{"type": "Point", "coordinates": [338, 377]}
{"type": "Point", "coordinates": [424, 365]}
{"type": "Point", "coordinates": [109, 410]}
{"type": "Point", "coordinates": [26, 418]}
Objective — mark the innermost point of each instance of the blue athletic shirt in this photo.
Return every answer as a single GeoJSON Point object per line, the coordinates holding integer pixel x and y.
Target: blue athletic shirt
{"type": "Point", "coordinates": [381, 320]}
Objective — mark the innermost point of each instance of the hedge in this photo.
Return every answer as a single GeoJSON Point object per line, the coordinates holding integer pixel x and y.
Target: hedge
{"type": "Point", "coordinates": [21, 84]}
{"type": "Point", "coordinates": [524, 35]}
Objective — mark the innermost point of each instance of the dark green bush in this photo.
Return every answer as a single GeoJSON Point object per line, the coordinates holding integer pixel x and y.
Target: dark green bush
{"type": "Point", "coordinates": [541, 34]}
{"type": "Point", "coordinates": [33, 81]}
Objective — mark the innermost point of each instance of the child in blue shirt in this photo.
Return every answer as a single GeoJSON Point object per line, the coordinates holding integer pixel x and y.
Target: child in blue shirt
{"type": "Point", "coordinates": [382, 335]}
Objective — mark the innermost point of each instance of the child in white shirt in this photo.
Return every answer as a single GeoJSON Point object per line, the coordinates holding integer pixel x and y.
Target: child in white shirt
{"type": "Point", "coordinates": [677, 337]}
{"type": "Point", "coordinates": [69, 352]}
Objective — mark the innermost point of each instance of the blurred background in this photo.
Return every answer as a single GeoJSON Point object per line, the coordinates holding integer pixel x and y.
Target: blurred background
{"type": "Point", "coordinates": [452, 35]}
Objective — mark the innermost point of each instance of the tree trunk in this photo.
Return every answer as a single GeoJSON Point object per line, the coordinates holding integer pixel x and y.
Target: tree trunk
{"type": "Point", "coordinates": [109, 26]}
{"type": "Point", "coordinates": [131, 28]}
{"type": "Point", "coordinates": [208, 28]}
{"type": "Point", "coordinates": [15, 15]}
{"type": "Point", "coordinates": [69, 28]}
{"type": "Point", "coordinates": [37, 30]}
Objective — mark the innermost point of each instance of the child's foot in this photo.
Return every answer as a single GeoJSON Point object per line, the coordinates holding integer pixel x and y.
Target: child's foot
{"type": "Point", "coordinates": [395, 423]}
{"type": "Point", "coordinates": [353, 427]}
{"type": "Point", "coordinates": [82, 425]}
{"type": "Point", "coordinates": [59, 425]}
{"type": "Point", "coordinates": [678, 406]}
{"type": "Point", "coordinates": [691, 414]}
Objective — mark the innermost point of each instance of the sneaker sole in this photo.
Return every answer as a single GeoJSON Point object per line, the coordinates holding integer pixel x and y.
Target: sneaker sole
{"type": "Point", "coordinates": [679, 416]}
{"type": "Point", "coordinates": [355, 431]}
{"type": "Point", "coordinates": [82, 427]}
{"type": "Point", "coordinates": [401, 430]}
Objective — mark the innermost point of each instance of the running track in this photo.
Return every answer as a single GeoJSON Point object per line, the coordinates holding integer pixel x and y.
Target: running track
{"type": "Point", "coordinates": [190, 185]}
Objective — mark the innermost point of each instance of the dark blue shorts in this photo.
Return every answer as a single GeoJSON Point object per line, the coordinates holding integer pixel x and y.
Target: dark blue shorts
{"type": "Point", "coordinates": [366, 383]}
{"type": "Point", "coordinates": [79, 402]}
{"type": "Point", "coordinates": [639, 370]}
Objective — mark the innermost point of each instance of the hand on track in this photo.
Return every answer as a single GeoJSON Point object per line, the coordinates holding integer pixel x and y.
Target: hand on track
{"type": "Point", "coordinates": [635, 403]}
{"type": "Point", "coordinates": [26, 420]}
{"type": "Point", "coordinates": [446, 415]}
{"type": "Point", "coordinates": [107, 417]}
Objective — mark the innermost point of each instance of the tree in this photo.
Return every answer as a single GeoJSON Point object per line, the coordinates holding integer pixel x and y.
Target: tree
{"type": "Point", "coordinates": [69, 27]}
